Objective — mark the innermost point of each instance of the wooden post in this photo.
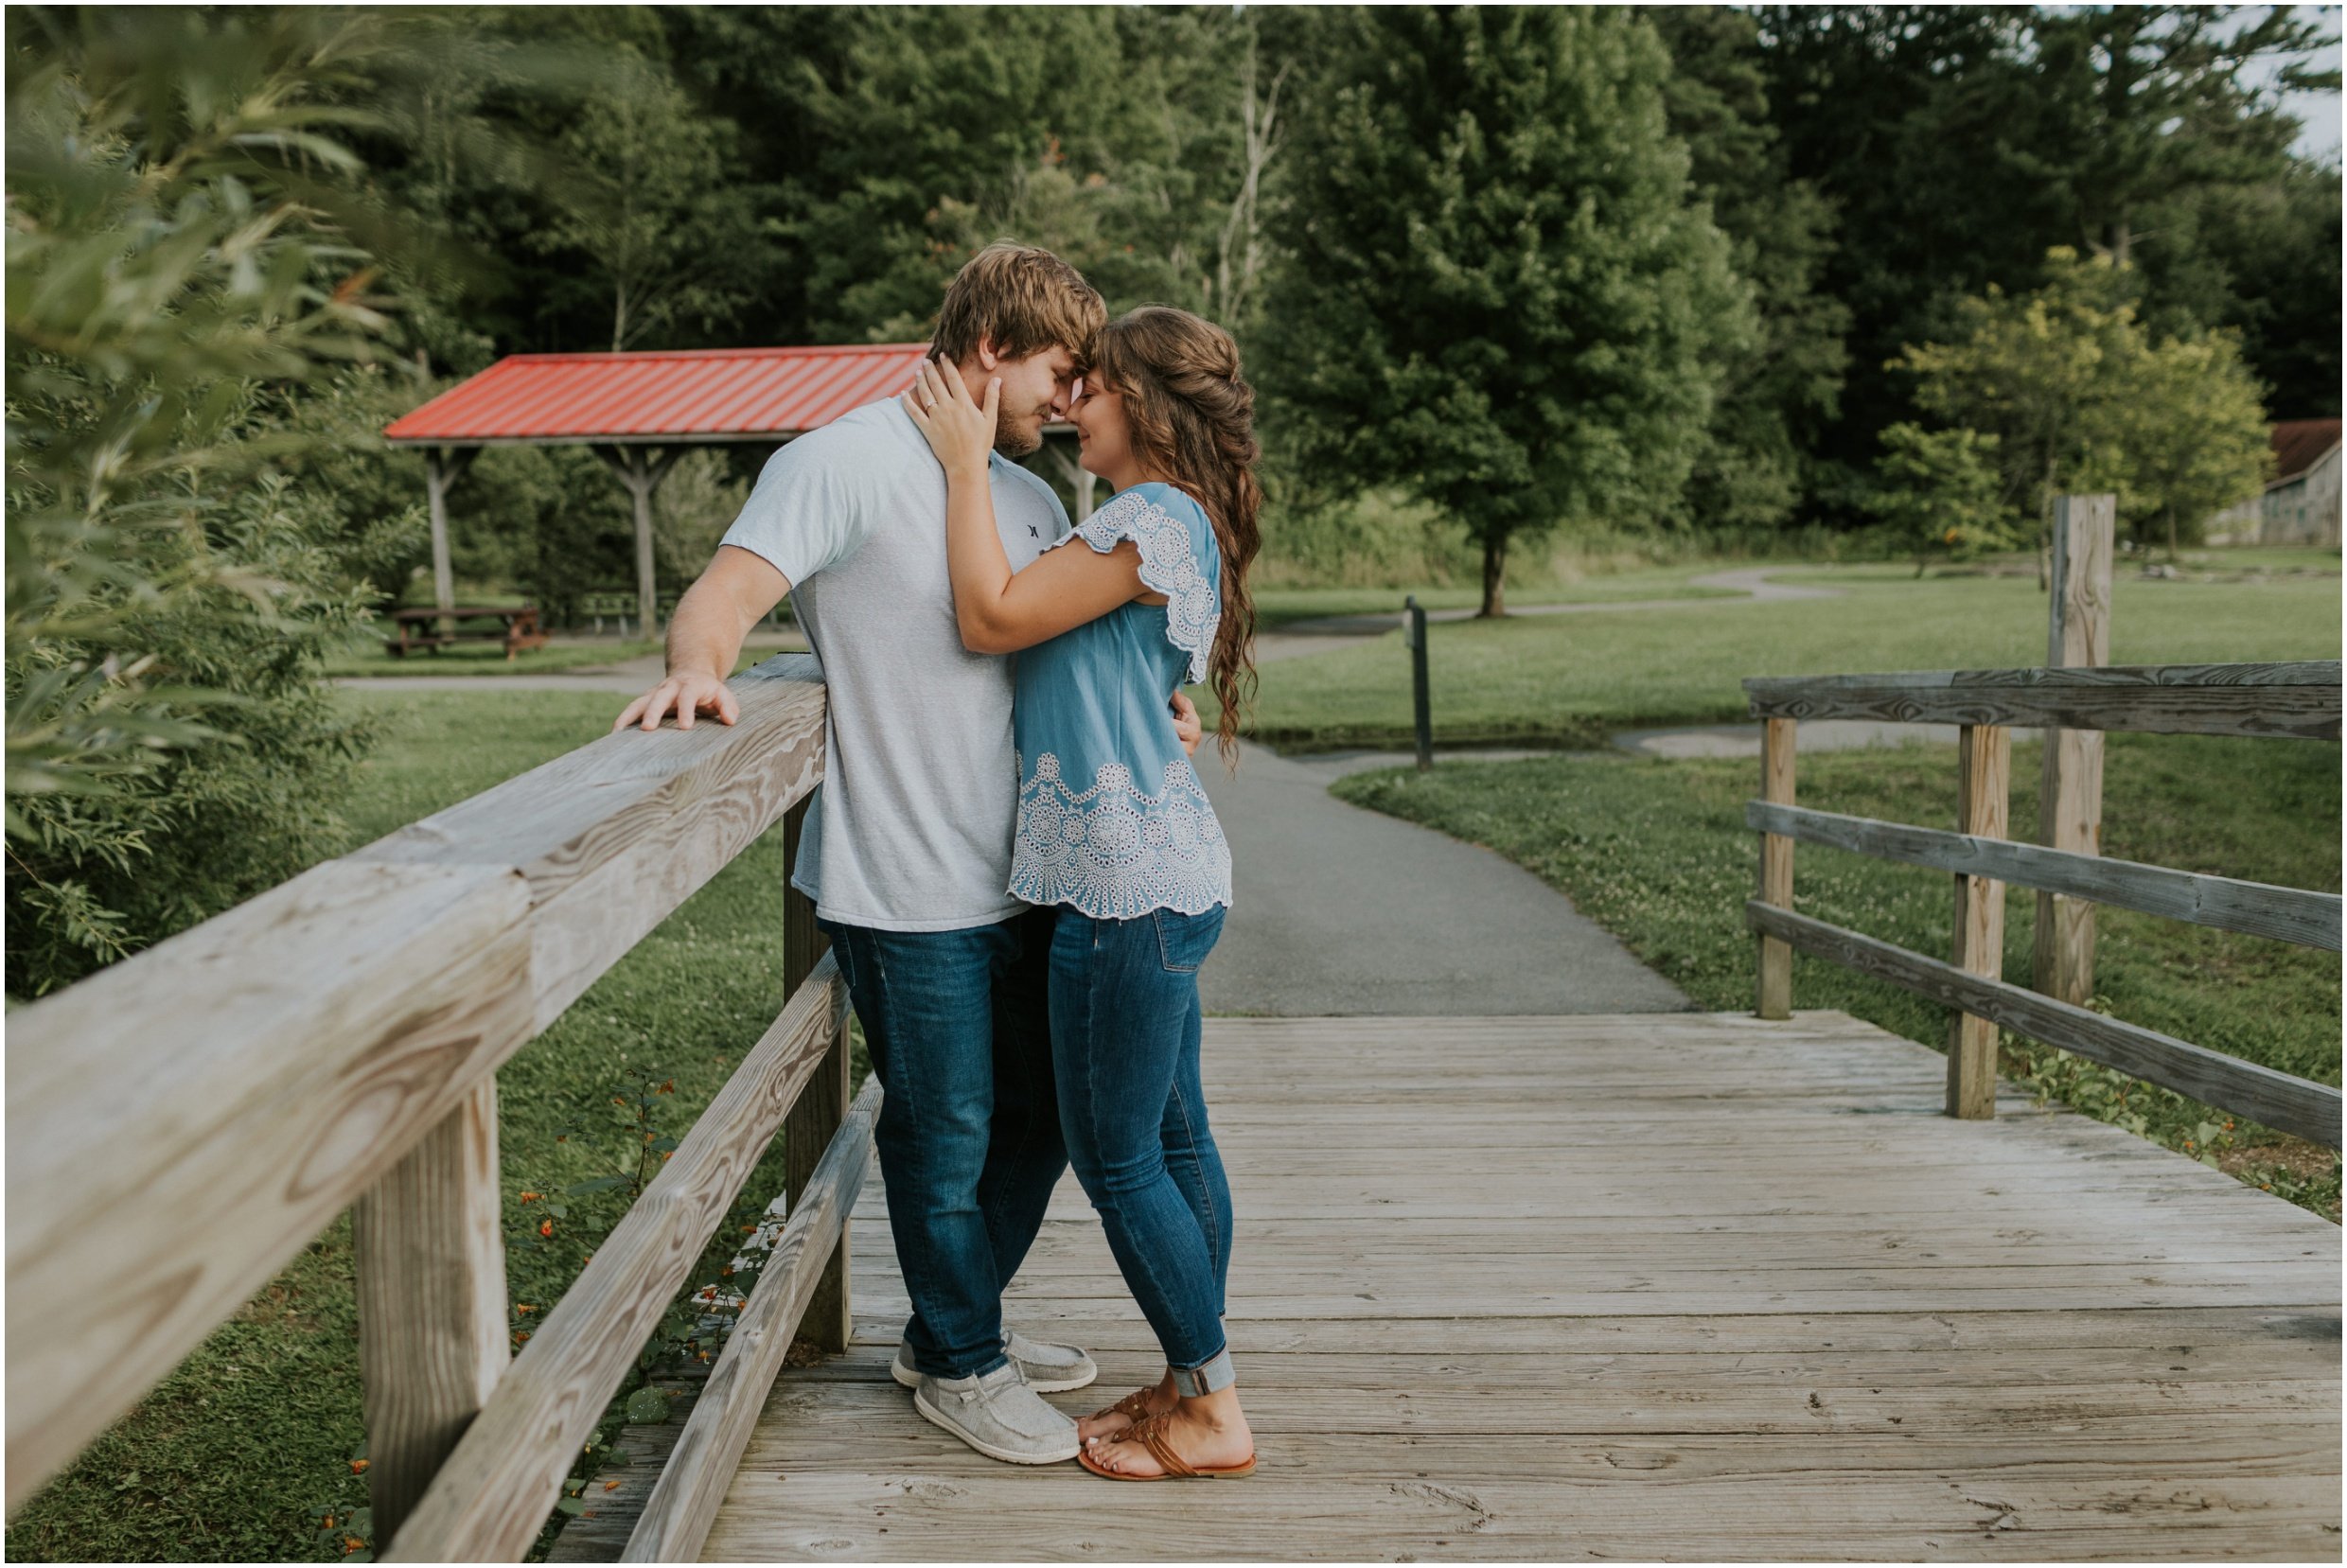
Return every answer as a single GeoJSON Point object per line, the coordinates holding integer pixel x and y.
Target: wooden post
{"type": "Point", "coordinates": [1776, 743]}
{"type": "Point", "coordinates": [2070, 791]}
{"type": "Point", "coordinates": [641, 468]}
{"type": "Point", "coordinates": [1081, 480]}
{"type": "Point", "coordinates": [433, 1336]}
{"type": "Point", "coordinates": [821, 1107]}
{"type": "Point", "coordinates": [443, 467]}
{"type": "Point", "coordinates": [1985, 756]}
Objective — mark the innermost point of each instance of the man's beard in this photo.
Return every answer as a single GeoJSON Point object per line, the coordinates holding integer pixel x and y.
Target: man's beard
{"type": "Point", "coordinates": [1011, 439]}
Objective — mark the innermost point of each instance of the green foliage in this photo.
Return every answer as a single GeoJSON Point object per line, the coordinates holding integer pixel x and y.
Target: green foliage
{"type": "Point", "coordinates": [1784, 385]}
{"type": "Point", "coordinates": [1940, 493]}
{"type": "Point", "coordinates": [1957, 144]}
{"type": "Point", "coordinates": [187, 243]}
{"type": "Point", "coordinates": [2082, 399]}
{"type": "Point", "coordinates": [2192, 437]}
{"type": "Point", "coordinates": [669, 232]}
{"type": "Point", "coordinates": [1502, 294]}
{"type": "Point", "coordinates": [230, 812]}
{"type": "Point", "coordinates": [172, 240]}
{"type": "Point", "coordinates": [1657, 853]}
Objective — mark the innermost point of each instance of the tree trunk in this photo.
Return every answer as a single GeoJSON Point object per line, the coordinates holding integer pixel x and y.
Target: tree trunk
{"type": "Point", "coordinates": [1494, 576]}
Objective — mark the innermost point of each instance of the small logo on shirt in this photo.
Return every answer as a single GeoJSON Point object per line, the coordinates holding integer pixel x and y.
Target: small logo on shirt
{"type": "Point", "coordinates": [1033, 531]}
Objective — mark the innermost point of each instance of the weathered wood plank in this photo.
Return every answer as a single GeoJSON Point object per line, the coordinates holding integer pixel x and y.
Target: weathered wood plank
{"type": "Point", "coordinates": [815, 1119]}
{"type": "Point", "coordinates": [1776, 787]}
{"type": "Point", "coordinates": [334, 1020]}
{"type": "Point", "coordinates": [137, 1101]}
{"type": "Point", "coordinates": [497, 1488]}
{"type": "Point", "coordinates": [612, 836]}
{"type": "Point", "coordinates": [2254, 908]}
{"type": "Point", "coordinates": [1984, 774]}
{"type": "Point", "coordinates": [2299, 699]}
{"type": "Point", "coordinates": [1723, 1322]}
{"type": "Point", "coordinates": [430, 1269]}
{"type": "Point", "coordinates": [676, 1519]}
{"type": "Point", "coordinates": [2289, 1104]}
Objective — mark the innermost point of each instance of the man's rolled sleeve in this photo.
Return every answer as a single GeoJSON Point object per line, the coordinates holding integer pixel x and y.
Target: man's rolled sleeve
{"type": "Point", "coordinates": [802, 515]}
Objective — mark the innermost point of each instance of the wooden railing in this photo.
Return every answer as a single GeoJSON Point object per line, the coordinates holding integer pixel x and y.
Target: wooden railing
{"type": "Point", "coordinates": [2299, 700]}
{"type": "Point", "coordinates": [182, 1124]}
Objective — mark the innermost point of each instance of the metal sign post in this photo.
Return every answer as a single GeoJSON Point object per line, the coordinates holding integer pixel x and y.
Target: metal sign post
{"type": "Point", "coordinates": [1414, 638]}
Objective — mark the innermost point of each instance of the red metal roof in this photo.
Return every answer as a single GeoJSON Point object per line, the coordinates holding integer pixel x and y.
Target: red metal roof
{"type": "Point", "coordinates": [2300, 444]}
{"type": "Point", "coordinates": [708, 395]}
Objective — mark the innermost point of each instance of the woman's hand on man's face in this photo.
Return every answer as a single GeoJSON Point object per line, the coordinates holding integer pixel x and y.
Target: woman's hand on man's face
{"type": "Point", "coordinates": [960, 430]}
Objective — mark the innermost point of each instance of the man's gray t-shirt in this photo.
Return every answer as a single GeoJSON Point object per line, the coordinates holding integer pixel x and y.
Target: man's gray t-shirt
{"type": "Point", "coordinates": [911, 829]}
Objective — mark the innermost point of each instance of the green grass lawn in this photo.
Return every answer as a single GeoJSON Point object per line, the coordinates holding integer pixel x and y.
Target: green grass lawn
{"type": "Point", "coordinates": [368, 657]}
{"type": "Point", "coordinates": [1571, 680]}
{"type": "Point", "coordinates": [1278, 607]}
{"type": "Point", "coordinates": [1657, 853]}
{"type": "Point", "coordinates": [247, 1446]}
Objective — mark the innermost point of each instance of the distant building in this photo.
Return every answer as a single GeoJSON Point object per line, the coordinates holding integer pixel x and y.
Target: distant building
{"type": "Point", "coordinates": [2301, 504]}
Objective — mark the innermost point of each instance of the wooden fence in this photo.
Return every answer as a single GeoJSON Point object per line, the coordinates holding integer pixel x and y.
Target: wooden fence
{"type": "Point", "coordinates": [2296, 701]}
{"type": "Point", "coordinates": [183, 1123]}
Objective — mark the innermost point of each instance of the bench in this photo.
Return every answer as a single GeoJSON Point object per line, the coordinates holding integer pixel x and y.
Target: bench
{"type": "Point", "coordinates": [517, 629]}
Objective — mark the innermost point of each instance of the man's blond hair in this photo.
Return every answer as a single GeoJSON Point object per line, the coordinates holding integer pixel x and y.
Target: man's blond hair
{"type": "Point", "coordinates": [1022, 300]}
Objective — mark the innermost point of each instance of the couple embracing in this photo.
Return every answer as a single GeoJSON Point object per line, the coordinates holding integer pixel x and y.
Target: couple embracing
{"type": "Point", "coordinates": [1011, 851]}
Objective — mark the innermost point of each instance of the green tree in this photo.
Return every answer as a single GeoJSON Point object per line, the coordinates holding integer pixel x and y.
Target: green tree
{"type": "Point", "coordinates": [190, 239]}
{"type": "Point", "coordinates": [2191, 434]}
{"type": "Point", "coordinates": [1784, 386]}
{"type": "Point", "coordinates": [1502, 294]}
{"type": "Point", "coordinates": [2082, 398]}
{"type": "Point", "coordinates": [2144, 102]}
{"type": "Point", "coordinates": [2262, 259]}
{"type": "Point", "coordinates": [653, 202]}
{"type": "Point", "coordinates": [1940, 494]}
{"type": "Point", "coordinates": [2044, 372]}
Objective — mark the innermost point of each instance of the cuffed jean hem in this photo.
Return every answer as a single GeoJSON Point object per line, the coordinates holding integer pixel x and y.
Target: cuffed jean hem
{"type": "Point", "coordinates": [1213, 1378]}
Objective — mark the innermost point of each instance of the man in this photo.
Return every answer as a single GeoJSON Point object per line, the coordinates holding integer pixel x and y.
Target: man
{"type": "Point", "coordinates": [907, 848]}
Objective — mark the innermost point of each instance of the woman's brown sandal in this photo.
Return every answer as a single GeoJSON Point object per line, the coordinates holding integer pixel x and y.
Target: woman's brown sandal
{"type": "Point", "coordinates": [1132, 1407]}
{"type": "Point", "coordinates": [1149, 1431]}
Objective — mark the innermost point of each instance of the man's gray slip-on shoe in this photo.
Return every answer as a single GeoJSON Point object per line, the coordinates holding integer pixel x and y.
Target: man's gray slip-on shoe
{"type": "Point", "coordinates": [1049, 1368]}
{"type": "Point", "coordinates": [998, 1415]}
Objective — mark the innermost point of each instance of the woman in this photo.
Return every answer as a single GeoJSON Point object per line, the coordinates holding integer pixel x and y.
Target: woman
{"type": "Point", "coordinates": [1115, 833]}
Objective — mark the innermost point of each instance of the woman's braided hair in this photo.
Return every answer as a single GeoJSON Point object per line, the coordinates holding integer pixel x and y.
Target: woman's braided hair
{"type": "Point", "coordinates": [1191, 415]}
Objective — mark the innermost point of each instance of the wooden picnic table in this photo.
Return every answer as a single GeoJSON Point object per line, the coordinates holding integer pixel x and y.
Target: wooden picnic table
{"type": "Point", "coordinates": [517, 629]}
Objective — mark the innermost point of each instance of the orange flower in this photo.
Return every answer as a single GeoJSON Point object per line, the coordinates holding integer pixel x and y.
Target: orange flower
{"type": "Point", "coordinates": [609, 1485]}
{"type": "Point", "coordinates": [358, 1466]}
{"type": "Point", "coordinates": [530, 1197]}
{"type": "Point", "coordinates": [524, 1306]}
{"type": "Point", "coordinates": [352, 1543]}
{"type": "Point", "coordinates": [546, 1227]}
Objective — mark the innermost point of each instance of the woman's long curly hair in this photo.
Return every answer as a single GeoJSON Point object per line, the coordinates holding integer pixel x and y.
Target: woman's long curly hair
{"type": "Point", "coordinates": [1191, 415]}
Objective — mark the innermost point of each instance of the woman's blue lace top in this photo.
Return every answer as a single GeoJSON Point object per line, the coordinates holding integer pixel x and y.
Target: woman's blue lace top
{"type": "Point", "coordinates": [1111, 816]}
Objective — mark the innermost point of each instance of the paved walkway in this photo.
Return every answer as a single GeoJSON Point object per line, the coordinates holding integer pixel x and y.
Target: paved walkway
{"type": "Point", "coordinates": [1341, 910]}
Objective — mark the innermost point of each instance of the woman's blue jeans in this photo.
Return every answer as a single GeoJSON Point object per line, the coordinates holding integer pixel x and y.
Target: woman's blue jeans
{"type": "Point", "coordinates": [1126, 1027]}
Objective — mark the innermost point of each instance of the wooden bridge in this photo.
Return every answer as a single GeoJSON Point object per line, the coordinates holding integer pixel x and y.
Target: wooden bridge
{"type": "Point", "coordinates": [1659, 1286]}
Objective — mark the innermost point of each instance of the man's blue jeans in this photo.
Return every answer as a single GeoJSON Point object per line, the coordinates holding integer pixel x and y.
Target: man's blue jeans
{"type": "Point", "coordinates": [958, 1027]}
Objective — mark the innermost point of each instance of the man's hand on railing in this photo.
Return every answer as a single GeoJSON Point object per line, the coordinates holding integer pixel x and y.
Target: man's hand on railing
{"type": "Point", "coordinates": [696, 692]}
{"type": "Point", "coordinates": [1186, 725]}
